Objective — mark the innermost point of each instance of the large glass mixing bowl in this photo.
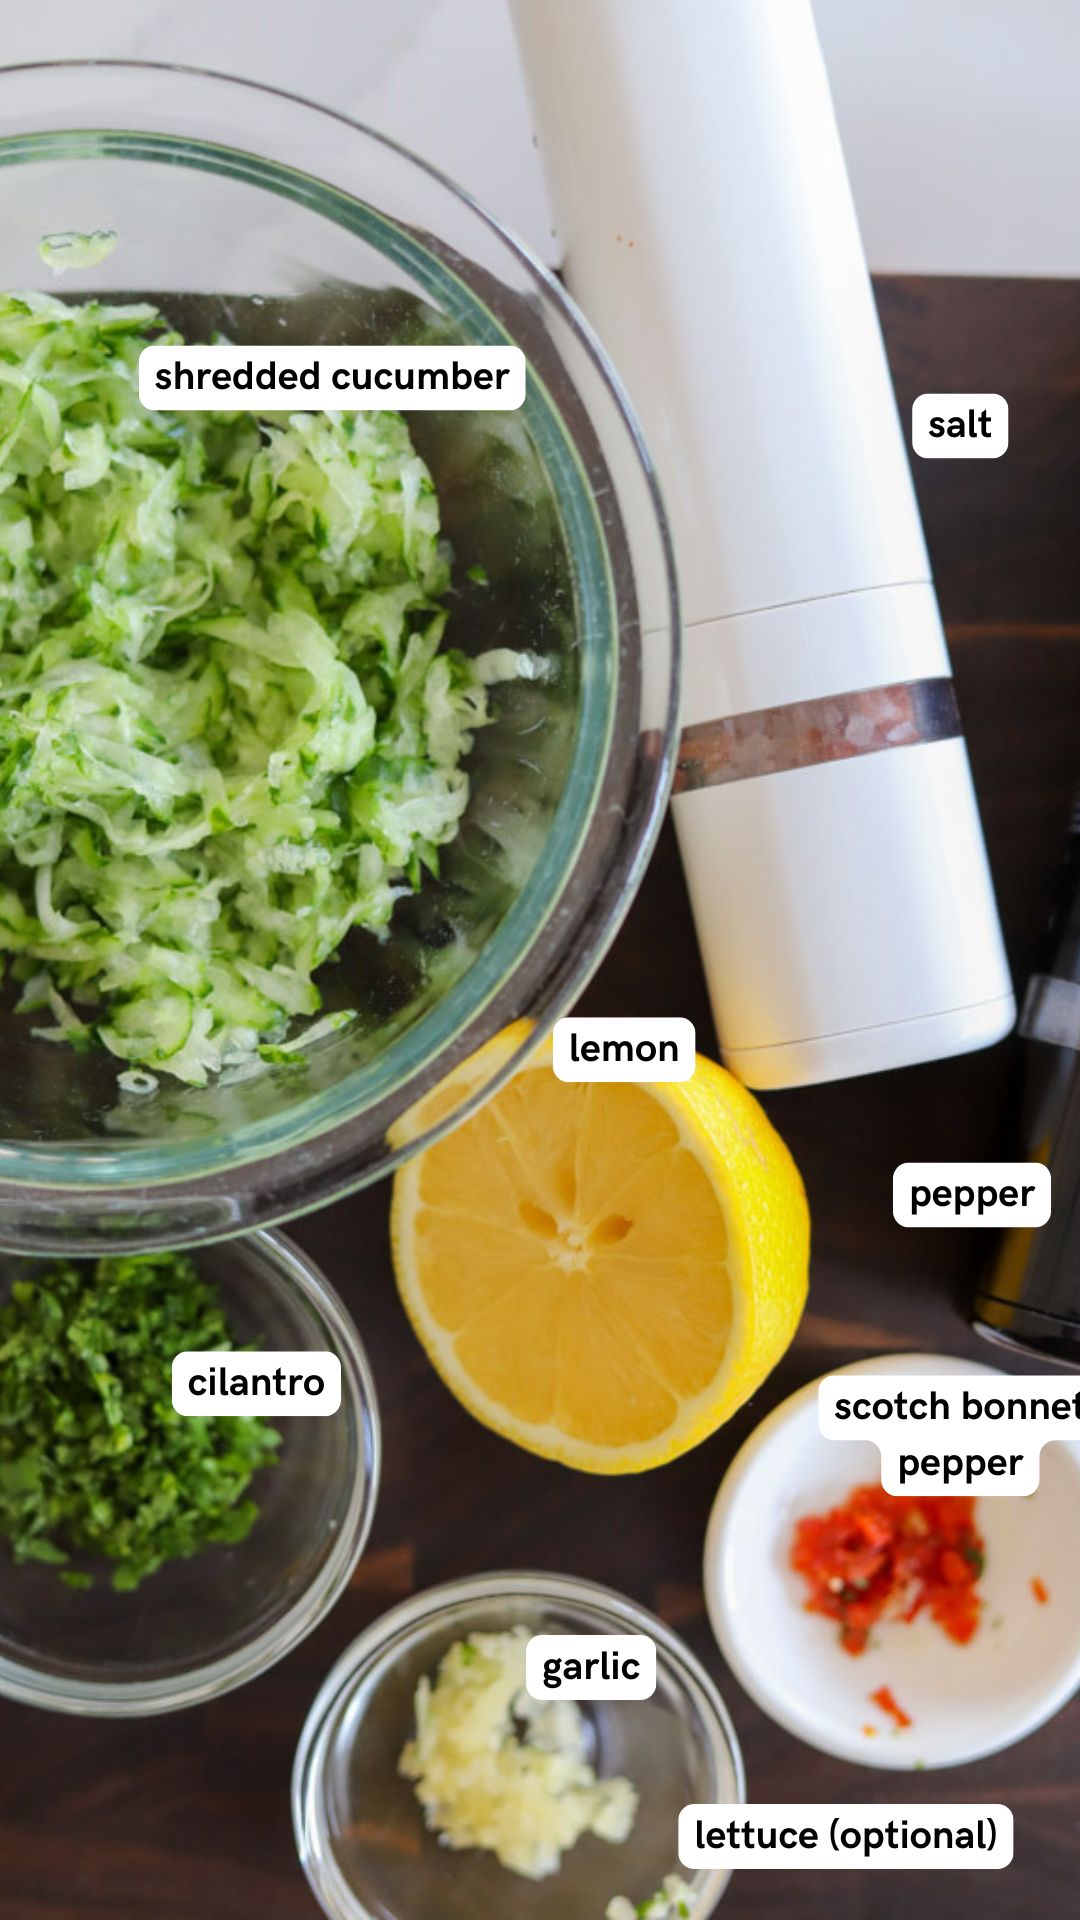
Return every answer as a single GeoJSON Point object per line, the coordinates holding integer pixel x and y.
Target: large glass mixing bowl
{"type": "Point", "coordinates": [250, 211]}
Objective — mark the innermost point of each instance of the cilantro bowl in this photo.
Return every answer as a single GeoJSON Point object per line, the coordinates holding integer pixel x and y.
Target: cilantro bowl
{"type": "Point", "coordinates": [79, 1631]}
{"type": "Point", "coordinates": [329, 744]}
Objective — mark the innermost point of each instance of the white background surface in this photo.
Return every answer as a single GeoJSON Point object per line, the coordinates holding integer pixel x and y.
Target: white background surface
{"type": "Point", "coordinates": [959, 117]}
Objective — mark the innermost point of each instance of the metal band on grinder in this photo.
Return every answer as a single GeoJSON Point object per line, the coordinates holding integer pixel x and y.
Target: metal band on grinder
{"type": "Point", "coordinates": [808, 733]}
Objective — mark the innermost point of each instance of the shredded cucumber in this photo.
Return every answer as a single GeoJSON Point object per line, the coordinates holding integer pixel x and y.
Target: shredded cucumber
{"type": "Point", "coordinates": [62, 251]}
{"type": "Point", "coordinates": [228, 730]}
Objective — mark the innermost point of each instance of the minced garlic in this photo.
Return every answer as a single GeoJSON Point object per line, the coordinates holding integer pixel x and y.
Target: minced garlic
{"type": "Point", "coordinates": [496, 1769]}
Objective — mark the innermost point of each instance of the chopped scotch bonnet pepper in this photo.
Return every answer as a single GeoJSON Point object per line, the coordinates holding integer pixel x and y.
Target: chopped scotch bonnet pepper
{"type": "Point", "coordinates": [886, 1699]}
{"type": "Point", "coordinates": [883, 1556]}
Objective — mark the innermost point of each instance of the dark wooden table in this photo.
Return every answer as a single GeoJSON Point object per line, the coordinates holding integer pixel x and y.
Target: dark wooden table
{"type": "Point", "coordinates": [187, 1818]}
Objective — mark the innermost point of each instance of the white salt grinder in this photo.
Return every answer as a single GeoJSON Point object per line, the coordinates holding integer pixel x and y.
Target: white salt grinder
{"type": "Point", "coordinates": [823, 802]}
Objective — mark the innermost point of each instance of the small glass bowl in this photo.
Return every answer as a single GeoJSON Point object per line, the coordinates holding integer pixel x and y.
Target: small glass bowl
{"type": "Point", "coordinates": [360, 1831]}
{"type": "Point", "coordinates": [199, 1627]}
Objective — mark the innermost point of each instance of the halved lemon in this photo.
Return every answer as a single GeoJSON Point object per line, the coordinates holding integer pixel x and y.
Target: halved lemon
{"type": "Point", "coordinates": [602, 1273]}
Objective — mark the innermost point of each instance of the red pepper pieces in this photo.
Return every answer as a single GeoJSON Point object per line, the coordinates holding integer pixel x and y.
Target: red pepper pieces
{"type": "Point", "coordinates": [883, 1555]}
{"type": "Point", "coordinates": [886, 1700]}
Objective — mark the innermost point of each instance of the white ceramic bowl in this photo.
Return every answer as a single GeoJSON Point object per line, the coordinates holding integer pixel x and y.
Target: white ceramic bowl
{"type": "Point", "coordinates": [965, 1701]}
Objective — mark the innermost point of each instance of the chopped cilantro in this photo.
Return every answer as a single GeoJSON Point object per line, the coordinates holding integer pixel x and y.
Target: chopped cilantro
{"type": "Point", "coordinates": [93, 1458]}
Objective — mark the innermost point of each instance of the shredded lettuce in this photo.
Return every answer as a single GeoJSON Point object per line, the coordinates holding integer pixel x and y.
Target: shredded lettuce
{"type": "Point", "coordinates": [229, 731]}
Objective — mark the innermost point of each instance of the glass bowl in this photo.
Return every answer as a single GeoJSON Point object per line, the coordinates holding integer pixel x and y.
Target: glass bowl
{"type": "Point", "coordinates": [360, 1831]}
{"type": "Point", "coordinates": [199, 1627]}
{"type": "Point", "coordinates": [251, 211]}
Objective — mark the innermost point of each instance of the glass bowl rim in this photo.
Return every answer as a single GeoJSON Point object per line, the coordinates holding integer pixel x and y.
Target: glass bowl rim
{"type": "Point", "coordinates": [371, 1647]}
{"type": "Point", "coordinates": [87, 1179]}
{"type": "Point", "coordinates": [109, 1699]}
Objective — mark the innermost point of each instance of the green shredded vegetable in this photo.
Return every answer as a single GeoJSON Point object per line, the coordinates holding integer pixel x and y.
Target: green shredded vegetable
{"type": "Point", "coordinates": [672, 1902]}
{"type": "Point", "coordinates": [93, 1458]}
{"type": "Point", "coordinates": [62, 251]}
{"type": "Point", "coordinates": [228, 730]}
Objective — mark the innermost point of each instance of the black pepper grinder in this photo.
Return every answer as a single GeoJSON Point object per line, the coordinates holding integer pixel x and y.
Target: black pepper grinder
{"type": "Point", "coordinates": [1029, 1298]}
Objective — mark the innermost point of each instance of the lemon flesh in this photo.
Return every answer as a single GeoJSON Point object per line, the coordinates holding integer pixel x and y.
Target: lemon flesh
{"type": "Point", "coordinates": [603, 1272]}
